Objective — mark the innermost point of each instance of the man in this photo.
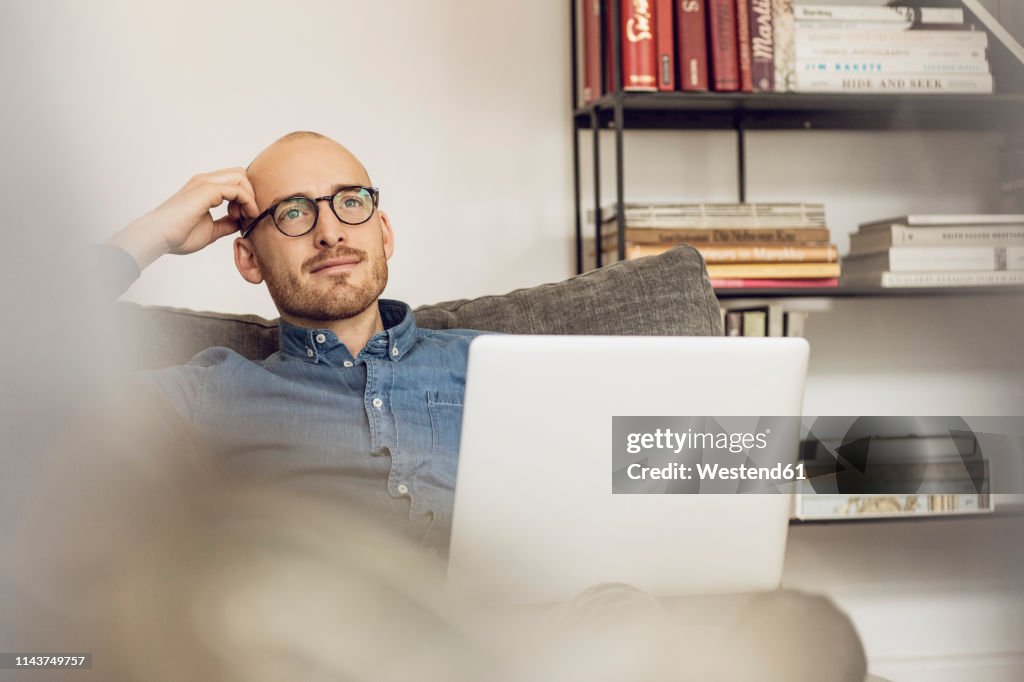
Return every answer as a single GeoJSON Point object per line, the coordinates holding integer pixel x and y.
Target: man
{"type": "Point", "coordinates": [361, 404]}
{"type": "Point", "coordinates": [358, 402]}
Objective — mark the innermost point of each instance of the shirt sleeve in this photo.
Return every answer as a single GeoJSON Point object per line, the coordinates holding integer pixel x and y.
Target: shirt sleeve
{"type": "Point", "coordinates": [159, 430]}
{"type": "Point", "coordinates": [116, 270]}
{"type": "Point", "coordinates": [182, 385]}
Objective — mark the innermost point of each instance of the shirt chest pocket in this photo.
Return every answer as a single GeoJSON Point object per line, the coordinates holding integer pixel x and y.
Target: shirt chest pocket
{"type": "Point", "coordinates": [445, 410]}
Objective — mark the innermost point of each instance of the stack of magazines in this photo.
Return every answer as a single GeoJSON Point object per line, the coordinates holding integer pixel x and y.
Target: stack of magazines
{"type": "Point", "coordinates": [937, 251]}
{"type": "Point", "coordinates": [744, 245]}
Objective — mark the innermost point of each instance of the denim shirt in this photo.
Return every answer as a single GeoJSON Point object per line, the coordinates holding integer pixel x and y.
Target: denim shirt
{"type": "Point", "coordinates": [379, 429]}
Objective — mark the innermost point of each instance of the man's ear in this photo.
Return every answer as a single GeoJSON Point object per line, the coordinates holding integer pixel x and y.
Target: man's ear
{"type": "Point", "coordinates": [388, 234]}
{"type": "Point", "coordinates": [245, 261]}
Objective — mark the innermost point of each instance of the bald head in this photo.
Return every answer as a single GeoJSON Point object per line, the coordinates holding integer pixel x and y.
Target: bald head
{"type": "Point", "coordinates": [299, 161]}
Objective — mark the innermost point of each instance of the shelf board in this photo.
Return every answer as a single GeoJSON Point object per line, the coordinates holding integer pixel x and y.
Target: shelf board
{"type": "Point", "coordinates": [997, 513]}
{"type": "Point", "coordinates": [866, 292]}
{"type": "Point", "coordinates": [780, 111]}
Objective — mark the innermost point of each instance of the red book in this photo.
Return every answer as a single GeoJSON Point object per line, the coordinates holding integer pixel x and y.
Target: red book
{"type": "Point", "coordinates": [743, 44]}
{"type": "Point", "coordinates": [723, 53]}
{"type": "Point", "coordinates": [762, 45]}
{"type": "Point", "coordinates": [774, 283]}
{"type": "Point", "coordinates": [639, 53]}
{"type": "Point", "coordinates": [664, 41]}
{"type": "Point", "coordinates": [591, 50]}
{"type": "Point", "coordinates": [693, 46]}
{"type": "Point", "coordinates": [606, 10]}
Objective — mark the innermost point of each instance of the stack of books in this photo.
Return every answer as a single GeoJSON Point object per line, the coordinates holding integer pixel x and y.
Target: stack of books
{"type": "Point", "coordinates": [937, 251]}
{"type": "Point", "coordinates": [762, 320]}
{"type": "Point", "coordinates": [744, 245]}
{"type": "Point", "coordinates": [851, 48]}
{"type": "Point", "coordinates": [896, 476]}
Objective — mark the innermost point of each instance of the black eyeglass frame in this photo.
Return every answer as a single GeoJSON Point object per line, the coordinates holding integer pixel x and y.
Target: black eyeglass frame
{"type": "Point", "coordinates": [372, 191]}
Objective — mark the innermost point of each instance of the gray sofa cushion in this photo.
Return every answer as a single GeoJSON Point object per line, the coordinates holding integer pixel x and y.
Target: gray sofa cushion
{"type": "Point", "coordinates": [665, 295]}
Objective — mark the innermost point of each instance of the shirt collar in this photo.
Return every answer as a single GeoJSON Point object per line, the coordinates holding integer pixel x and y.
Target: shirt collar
{"type": "Point", "coordinates": [317, 346]}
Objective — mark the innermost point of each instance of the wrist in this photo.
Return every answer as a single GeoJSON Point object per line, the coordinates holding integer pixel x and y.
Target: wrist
{"type": "Point", "coordinates": [141, 242]}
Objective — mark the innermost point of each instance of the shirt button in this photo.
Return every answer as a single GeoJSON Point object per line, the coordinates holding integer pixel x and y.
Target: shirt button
{"type": "Point", "coordinates": [377, 402]}
{"type": "Point", "coordinates": [394, 351]}
{"type": "Point", "coordinates": [403, 489]}
{"type": "Point", "coordinates": [320, 338]}
{"type": "Point", "coordinates": [347, 363]}
{"type": "Point", "coordinates": [309, 352]}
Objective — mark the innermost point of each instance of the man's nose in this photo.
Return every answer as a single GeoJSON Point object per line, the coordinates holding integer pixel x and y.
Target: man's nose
{"type": "Point", "coordinates": [329, 230]}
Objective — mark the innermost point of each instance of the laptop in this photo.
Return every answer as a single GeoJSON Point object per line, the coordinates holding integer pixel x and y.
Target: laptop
{"type": "Point", "coordinates": [535, 518]}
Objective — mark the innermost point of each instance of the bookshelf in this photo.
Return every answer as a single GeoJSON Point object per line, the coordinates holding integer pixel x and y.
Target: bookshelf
{"type": "Point", "coordinates": [620, 111]}
{"type": "Point", "coordinates": [929, 564]}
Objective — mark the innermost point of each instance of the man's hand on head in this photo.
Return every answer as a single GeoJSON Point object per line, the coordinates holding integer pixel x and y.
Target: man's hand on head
{"type": "Point", "coordinates": [183, 223]}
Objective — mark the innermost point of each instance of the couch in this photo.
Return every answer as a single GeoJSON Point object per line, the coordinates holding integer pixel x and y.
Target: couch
{"type": "Point", "coordinates": [665, 295]}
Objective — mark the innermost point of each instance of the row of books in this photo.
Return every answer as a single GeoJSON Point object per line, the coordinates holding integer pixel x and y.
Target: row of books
{"type": "Point", "coordinates": [906, 475]}
{"type": "Point", "coordinates": [763, 320]}
{"type": "Point", "coordinates": [749, 245]}
{"type": "Point", "coordinates": [779, 46]}
{"type": "Point", "coordinates": [937, 251]}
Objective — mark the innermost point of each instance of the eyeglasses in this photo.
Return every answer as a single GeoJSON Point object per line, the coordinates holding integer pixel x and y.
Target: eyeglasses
{"type": "Point", "coordinates": [297, 216]}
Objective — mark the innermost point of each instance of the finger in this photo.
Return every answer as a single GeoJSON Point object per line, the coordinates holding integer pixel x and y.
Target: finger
{"type": "Point", "coordinates": [221, 177]}
{"type": "Point", "coordinates": [235, 212]}
{"type": "Point", "coordinates": [218, 194]}
{"type": "Point", "coordinates": [229, 175]}
{"type": "Point", "coordinates": [247, 185]}
{"type": "Point", "coordinates": [222, 227]}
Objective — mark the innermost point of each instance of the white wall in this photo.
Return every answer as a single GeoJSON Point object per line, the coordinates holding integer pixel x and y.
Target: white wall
{"type": "Point", "coordinates": [460, 110]}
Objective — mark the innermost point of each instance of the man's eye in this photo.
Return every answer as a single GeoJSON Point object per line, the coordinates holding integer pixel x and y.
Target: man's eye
{"type": "Point", "coordinates": [352, 202]}
{"type": "Point", "coordinates": [292, 214]}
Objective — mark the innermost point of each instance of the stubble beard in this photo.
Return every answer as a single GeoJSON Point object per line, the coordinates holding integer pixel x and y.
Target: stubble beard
{"type": "Point", "coordinates": [334, 299]}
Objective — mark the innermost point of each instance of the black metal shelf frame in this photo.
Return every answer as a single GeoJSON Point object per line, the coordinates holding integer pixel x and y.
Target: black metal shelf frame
{"type": "Point", "coordinates": [741, 112]}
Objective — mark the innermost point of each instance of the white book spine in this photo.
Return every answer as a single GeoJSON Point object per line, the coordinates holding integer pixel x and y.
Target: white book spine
{"type": "Point", "coordinates": [931, 258]}
{"type": "Point", "coordinates": [833, 506]}
{"type": "Point", "coordinates": [923, 15]}
{"type": "Point", "coordinates": [976, 39]}
{"type": "Point", "coordinates": [934, 236]}
{"type": "Point", "coordinates": [879, 241]}
{"type": "Point", "coordinates": [959, 278]}
{"type": "Point", "coordinates": [785, 45]}
{"type": "Point", "coordinates": [776, 323]}
{"type": "Point", "coordinates": [848, 26]}
{"type": "Point", "coordinates": [920, 53]}
{"type": "Point", "coordinates": [921, 219]}
{"type": "Point", "coordinates": [889, 65]}
{"type": "Point", "coordinates": [894, 83]}
{"type": "Point", "coordinates": [796, 323]}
